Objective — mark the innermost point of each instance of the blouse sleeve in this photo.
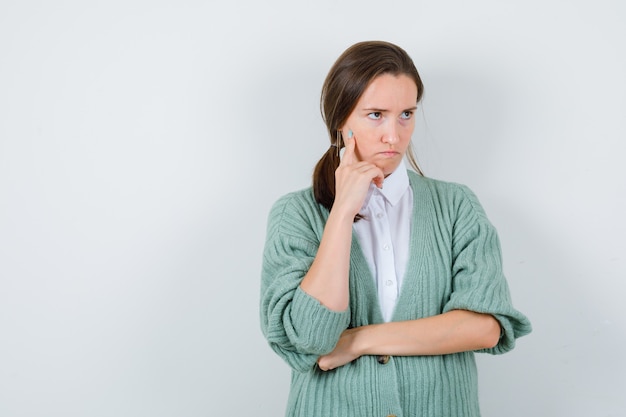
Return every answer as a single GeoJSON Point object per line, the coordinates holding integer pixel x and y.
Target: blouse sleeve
{"type": "Point", "coordinates": [297, 326]}
{"type": "Point", "coordinates": [478, 282]}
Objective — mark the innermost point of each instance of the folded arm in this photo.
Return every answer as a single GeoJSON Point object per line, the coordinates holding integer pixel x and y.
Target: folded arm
{"type": "Point", "coordinates": [451, 332]}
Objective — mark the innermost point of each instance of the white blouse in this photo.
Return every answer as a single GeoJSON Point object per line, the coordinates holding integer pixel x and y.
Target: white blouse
{"type": "Point", "coordinates": [383, 235]}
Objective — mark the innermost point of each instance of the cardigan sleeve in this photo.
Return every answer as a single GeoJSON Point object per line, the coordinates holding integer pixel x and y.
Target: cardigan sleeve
{"type": "Point", "coordinates": [296, 325]}
{"type": "Point", "coordinates": [478, 282]}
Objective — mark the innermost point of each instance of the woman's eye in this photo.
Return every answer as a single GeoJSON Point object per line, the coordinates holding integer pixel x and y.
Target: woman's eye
{"type": "Point", "coordinates": [374, 115]}
{"type": "Point", "coordinates": [407, 114]}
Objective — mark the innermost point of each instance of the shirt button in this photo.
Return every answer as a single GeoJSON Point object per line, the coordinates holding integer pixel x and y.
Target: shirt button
{"type": "Point", "coordinates": [379, 215]}
{"type": "Point", "coordinates": [386, 247]}
{"type": "Point", "coordinates": [389, 283]}
{"type": "Point", "coordinates": [383, 359]}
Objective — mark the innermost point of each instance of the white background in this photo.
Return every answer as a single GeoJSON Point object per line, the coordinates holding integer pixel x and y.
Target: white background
{"type": "Point", "coordinates": [142, 144]}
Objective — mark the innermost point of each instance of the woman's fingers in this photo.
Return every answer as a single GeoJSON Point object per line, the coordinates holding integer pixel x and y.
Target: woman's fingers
{"type": "Point", "coordinates": [379, 178]}
{"type": "Point", "coordinates": [374, 173]}
{"type": "Point", "coordinates": [345, 351]}
{"type": "Point", "coordinates": [349, 156]}
{"type": "Point", "coordinates": [353, 178]}
{"type": "Point", "coordinates": [352, 184]}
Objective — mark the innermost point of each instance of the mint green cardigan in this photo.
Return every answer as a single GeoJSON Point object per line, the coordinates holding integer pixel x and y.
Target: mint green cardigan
{"type": "Point", "coordinates": [455, 263]}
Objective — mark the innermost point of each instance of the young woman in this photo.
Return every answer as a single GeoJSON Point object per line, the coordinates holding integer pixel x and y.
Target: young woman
{"type": "Point", "coordinates": [378, 283]}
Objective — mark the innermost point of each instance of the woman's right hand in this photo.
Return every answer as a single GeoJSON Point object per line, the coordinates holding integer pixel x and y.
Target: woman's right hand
{"type": "Point", "coordinates": [327, 280]}
{"type": "Point", "coordinates": [352, 180]}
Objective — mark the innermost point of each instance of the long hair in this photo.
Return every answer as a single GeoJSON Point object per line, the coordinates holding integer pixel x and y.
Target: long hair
{"type": "Point", "coordinates": [346, 81]}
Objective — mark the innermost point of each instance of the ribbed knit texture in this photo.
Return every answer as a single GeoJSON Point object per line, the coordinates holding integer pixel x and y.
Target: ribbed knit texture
{"type": "Point", "coordinates": [455, 263]}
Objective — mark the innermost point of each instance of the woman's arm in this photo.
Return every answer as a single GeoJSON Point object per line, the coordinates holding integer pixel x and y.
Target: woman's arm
{"type": "Point", "coordinates": [451, 332]}
{"type": "Point", "coordinates": [327, 279]}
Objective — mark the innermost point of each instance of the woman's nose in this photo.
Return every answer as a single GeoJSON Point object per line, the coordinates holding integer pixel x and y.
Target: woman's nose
{"type": "Point", "coordinates": [391, 134]}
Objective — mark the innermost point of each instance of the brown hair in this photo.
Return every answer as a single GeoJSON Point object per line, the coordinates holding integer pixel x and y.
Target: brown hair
{"type": "Point", "coordinates": [346, 81]}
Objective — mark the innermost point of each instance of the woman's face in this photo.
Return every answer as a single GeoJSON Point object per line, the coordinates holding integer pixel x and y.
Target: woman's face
{"type": "Point", "coordinates": [383, 121]}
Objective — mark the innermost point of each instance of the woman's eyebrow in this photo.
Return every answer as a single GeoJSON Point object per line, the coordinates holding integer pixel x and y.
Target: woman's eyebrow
{"type": "Point", "coordinates": [374, 109]}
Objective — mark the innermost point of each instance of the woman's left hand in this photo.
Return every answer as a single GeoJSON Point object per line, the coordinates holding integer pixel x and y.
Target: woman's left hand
{"type": "Point", "coordinates": [345, 351]}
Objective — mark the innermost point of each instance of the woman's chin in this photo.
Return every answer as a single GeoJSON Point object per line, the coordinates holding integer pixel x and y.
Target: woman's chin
{"type": "Point", "coordinates": [387, 167]}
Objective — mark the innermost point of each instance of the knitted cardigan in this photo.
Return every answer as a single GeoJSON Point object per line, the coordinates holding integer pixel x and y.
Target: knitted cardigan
{"type": "Point", "coordinates": [455, 263]}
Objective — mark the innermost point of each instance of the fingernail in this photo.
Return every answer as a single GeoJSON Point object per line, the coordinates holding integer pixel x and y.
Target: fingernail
{"type": "Point", "coordinates": [350, 134]}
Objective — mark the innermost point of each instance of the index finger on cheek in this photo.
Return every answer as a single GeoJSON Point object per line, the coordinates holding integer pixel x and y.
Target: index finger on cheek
{"type": "Point", "coordinates": [348, 155]}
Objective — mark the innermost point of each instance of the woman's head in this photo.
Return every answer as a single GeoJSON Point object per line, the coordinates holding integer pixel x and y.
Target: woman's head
{"type": "Point", "coordinates": [366, 70]}
{"type": "Point", "coordinates": [354, 71]}
{"type": "Point", "coordinates": [382, 121]}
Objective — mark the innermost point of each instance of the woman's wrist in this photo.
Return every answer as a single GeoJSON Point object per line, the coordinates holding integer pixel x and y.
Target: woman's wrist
{"type": "Point", "coordinates": [341, 215]}
{"type": "Point", "coordinates": [362, 343]}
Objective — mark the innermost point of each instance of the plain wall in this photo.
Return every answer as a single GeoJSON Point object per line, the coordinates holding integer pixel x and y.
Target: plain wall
{"type": "Point", "coordinates": [142, 144]}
